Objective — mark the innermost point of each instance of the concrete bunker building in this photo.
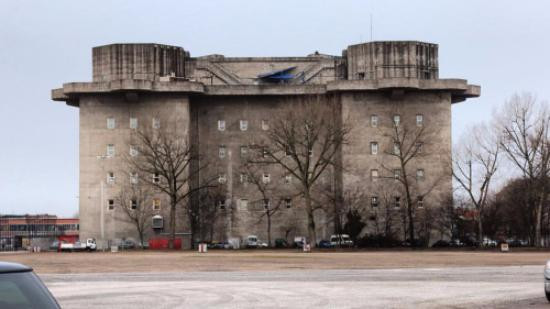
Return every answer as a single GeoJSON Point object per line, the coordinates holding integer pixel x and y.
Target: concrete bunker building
{"type": "Point", "coordinates": [223, 102]}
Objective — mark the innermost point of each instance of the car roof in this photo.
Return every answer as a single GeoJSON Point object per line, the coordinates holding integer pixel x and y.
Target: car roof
{"type": "Point", "coordinates": [6, 267]}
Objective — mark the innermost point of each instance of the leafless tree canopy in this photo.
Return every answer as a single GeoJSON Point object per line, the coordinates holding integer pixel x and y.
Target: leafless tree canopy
{"type": "Point", "coordinates": [304, 139]}
{"type": "Point", "coordinates": [475, 162]}
{"type": "Point", "coordinates": [164, 162]}
{"type": "Point", "coordinates": [524, 127]}
{"type": "Point", "coordinates": [136, 204]}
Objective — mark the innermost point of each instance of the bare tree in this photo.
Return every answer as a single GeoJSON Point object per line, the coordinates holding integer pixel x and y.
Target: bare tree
{"type": "Point", "coordinates": [304, 140]}
{"type": "Point", "coordinates": [475, 162]}
{"type": "Point", "coordinates": [135, 202]}
{"type": "Point", "coordinates": [408, 144]}
{"type": "Point", "coordinates": [524, 126]}
{"type": "Point", "coordinates": [164, 162]}
{"type": "Point", "coordinates": [254, 174]}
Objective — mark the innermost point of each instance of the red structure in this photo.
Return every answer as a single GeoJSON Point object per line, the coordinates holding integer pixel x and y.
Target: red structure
{"type": "Point", "coordinates": [160, 243]}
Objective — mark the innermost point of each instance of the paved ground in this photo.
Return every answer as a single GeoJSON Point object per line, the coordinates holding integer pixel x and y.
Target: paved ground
{"type": "Point", "coordinates": [266, 260]}
{"type": "Point", "coordinates": [451, 287]}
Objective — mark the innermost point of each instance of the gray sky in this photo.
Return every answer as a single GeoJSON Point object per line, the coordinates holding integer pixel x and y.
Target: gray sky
{"type": "Point", "coordinates": [501, 45]}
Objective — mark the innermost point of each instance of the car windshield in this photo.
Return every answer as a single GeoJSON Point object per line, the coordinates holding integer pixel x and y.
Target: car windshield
{"type": "Point", "coordinates": [24, 290]}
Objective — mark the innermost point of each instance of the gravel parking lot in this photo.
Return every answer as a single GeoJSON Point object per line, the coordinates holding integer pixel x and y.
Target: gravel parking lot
{"type": "Point", "coordinates": [292, 279]}
{"type": "Point", "coordinates": [463, 287]}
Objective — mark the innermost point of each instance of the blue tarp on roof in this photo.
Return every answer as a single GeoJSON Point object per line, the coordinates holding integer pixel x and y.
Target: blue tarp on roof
{"type": "Point", "coordinates": [278, 74]}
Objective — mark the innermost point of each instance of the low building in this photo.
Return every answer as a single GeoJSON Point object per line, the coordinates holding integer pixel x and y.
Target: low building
{"type": "Point", "coordinates": [22, 231]}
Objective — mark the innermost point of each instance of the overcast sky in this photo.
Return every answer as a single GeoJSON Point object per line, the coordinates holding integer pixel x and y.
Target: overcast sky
{"type": "Point", "coordinates": [501, 45]}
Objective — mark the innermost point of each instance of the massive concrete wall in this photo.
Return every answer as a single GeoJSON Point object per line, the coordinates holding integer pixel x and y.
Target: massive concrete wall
{"type": "Point", "coordinates": [376, 60]}
{"type": "Point", "coordinates": [173, 112]}
{"type": "Point", "coordinates": [137, 61]}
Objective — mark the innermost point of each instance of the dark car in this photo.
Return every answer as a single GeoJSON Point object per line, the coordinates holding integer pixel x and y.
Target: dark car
{"type": "Point", "coordinates": [281, 243]}
{"type": "Point", "coordinates": [21, 288]}
{"type": "Point", "coordinates": [325, 244]}
{"type": "Point", "coordinates": [441, 244]}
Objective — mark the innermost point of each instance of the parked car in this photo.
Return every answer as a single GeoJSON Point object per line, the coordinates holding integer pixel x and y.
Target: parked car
{"type": "Point", "coordinates": [341, 240]}
{"type": "Point", "coordinates": [325, 244]}
{"type": "Point", "coordinates": [299, 241]}
{"type": "Point", "coordinates": [547, 280]}
{"type": "Point", "coordinates": [441, 244]}
{"type": "Point", "coordinates": [21, 288]}
{"type": "Point", "coordinates": [456, 243]}
{"type": "Point", "coordinates": [280, 243]}
{"type": "Point", "coordinates": [487, 242]}
{"type": "Point", "coordinates": [127, 244]}
{"type": "Point", "coordinates": [251, 241]}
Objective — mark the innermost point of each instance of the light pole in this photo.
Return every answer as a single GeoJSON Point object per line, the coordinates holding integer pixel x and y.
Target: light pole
{"type": "Point", "coordinates": [102, 206]}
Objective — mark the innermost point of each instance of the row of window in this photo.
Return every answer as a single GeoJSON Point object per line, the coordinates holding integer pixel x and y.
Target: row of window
{"type": "Point", "coordinates": [243, 125]}
{"type": "Point", "coordinates": [375, 201]}
{"type": "Point", "coordinates": [243, 204]}
{"type": "Point", "coordinates": [374, 174]}
{"type": "Point", "coordinates": [111, 123]}
{"type": "Point", "coordinates": [266, 178]}
{"type": "Point", "coordinates": [374, 148]}
{"type": "Point", "coordinates": [133, 150]}
{"type": "Point", "coordinates": [134, 178]}
{"type": "Point", "coordinates": [374, 121]}
{"type": "Point", "coordinates": [134, 204]}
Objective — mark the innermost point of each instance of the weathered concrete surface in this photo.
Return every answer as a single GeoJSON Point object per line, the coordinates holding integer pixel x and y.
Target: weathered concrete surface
{"type": "Point", "coordinates": [475, 287]}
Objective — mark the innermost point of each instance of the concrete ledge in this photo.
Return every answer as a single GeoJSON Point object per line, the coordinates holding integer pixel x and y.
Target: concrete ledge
{"type": "Point", "coordinates": [132, 84]}
{"type": "Point", "coordinates": [265, 90]}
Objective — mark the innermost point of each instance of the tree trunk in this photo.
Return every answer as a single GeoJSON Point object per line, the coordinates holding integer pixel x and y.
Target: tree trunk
{"type": "Point", "coordinates": [268, 229]}
{"type": "Point", "coordinates": [410, 217]}
{"type": "Point", "coordinates": [479, 229]}
{"type": "Point", "coordinates": [172, 223]}
{"type": "Point", "coordinates": [538, 224]}
{"type": "Point", "coordinates": [310, 221]}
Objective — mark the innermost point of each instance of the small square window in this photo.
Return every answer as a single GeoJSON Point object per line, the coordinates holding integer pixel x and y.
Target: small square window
{"type": "Point", "coordinates": [222, 178]}
{"type": "Point", "coordinates": [156, 204]}
{"type": "Point", "coordinates": [264, 152]}
{"type": "Point", "coordinates": [396, 150]}
{"type": "Point", "coordinates": [374, 174]}
{"type": "Point", "coordinates": [156, 178]}
{"type": "Point", "coordinates": [310, 152]}
{"type": "Point", "coordinates": [419, 174]}
{"type": "Point", "coordinates": [110, 178]}
{"type": "Point", "coordinates": [396, 173]}
{"type": "Point", "coordinates": [133, 123]}
{"type": "Point", "coordinates": [374, 121]}
{"type": "Point", "coordinates": [133, 151]}
{"type": "Point", "coordinates": [265, 125]}
{"type": "Point", "coordinates": [397, 201]}
{"type": "Point", "coordinates": [244, 151]}
{"type": "Point", "coordinates": [110, 150]}
{"type": "Point", "coordinates": [111, 204]}
{"type": "Point", "coordinates": [243, 204]}
{"type": "Point", "coordinates": [266, 178]}
{"type": "Point", "coordinates": [288, 202]}
{"type": "Point", "coordinates": [221, 125]}
{"type": "Point", "coordinates": [288, 179]}
{"type": "Point", "coordinates": [396, 120]}
{"type": "Point", "coordinates": [419, 120]}
{"type": "Point", "coordinates": [373, 148]}
{"type": "Point", "coordinates": [419, 147]}
{"type": "Point", "coordinates": [244, 178]}
{"type": "Point", "coordinates": [221, 151]}
{"type": "Point", "coordinates": [134, 178]}
{"type": "Point", "coordinates": [156, 123]}
{"type": "Point", "coordinates": [374, 201]}
{"type": "Point", "coordinates": [134, 203]}
{"type": "Point", "coordinates": [244, 125]}
{"type": "Point", "coordinates": [420, 201]}
{"type": "Point", "coordinates": [266, 203]}
{"type": "Point", "coordinates": [221, 204]}
{"type": "Point", "coordinates": [110, 123]}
